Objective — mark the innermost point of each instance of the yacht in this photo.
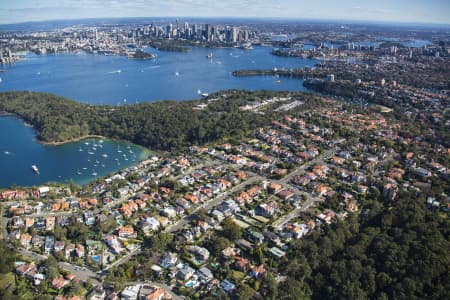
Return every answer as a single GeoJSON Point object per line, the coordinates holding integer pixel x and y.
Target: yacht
{"type": "Point", "coordinates": [35, 169]}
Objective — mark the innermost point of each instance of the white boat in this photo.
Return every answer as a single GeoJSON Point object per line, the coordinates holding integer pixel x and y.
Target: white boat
{"type": "Point", "coordinates": [105, 155]}
{"type": "Point", "coordinates": [35, 169]}
{"type": "Point", "coordinates": [94, 173]}
{"type": "Point", "coordinates": [7, 152]}
{"type": "Point", "coordinates": [210, 55]}
{"type": "Point", "coordinates": [177, 74]}
{"type": "Point", "coordinates": [78, 172]}
{"type": "Point", "coordinates": [205, 95]}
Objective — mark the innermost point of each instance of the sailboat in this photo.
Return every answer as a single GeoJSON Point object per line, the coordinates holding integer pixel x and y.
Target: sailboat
{"type": "Point", "coordinates": [35, 169]}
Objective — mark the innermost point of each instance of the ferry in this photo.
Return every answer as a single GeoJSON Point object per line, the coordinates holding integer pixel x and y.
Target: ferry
{"type": "Point", "coordinates": [35, 169]}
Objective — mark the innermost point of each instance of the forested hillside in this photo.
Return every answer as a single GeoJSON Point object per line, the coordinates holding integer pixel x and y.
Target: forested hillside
{"type": "Point", "coordinates": [167, 125]}
{"type": "Point", "coordinates": [398, 250]}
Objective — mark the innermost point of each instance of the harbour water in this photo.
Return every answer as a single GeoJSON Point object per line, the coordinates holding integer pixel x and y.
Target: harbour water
{"type": "Point", "coordinates": [118, 80]}
{"type": "Point", "coordinates": [99, 79]}
{"type": "Point", "coordinates": [75, 162]}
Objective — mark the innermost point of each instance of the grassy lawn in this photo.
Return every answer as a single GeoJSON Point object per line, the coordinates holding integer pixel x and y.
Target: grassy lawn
{"type": "Point", "coordinates": [252, 221]}
{"type": "Point", "coordinates": [237, 275]}
{"type": "Point", "coordinates": [261, 219]}
{"type": "Point", "coordinates": [7, 280]}
{"type": "Point", "coordinates": [241, 223]}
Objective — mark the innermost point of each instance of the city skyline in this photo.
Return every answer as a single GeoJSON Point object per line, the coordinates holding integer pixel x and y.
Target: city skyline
{"type": "Point", "coordinates": [402, 11]}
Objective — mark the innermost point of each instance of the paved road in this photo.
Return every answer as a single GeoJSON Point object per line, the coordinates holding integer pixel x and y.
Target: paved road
{"type": "Point", "coordinates": [310, 201]}
{"type": "Point", "coordinates": [207, 163]}
{"type": "Point", "coordinates": [82, 273]}
{"type": "Point", "coordinates": [212, 203]}
{"type": "Point", "coordinates": [124, 258]}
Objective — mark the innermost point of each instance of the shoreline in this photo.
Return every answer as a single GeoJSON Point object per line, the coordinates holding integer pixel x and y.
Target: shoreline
{"type": "Point", "coordinates": [74, 140]}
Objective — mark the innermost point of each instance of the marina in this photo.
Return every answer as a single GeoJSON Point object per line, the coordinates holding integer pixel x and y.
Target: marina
{"type": "Point", "coordinates": [23, 155]}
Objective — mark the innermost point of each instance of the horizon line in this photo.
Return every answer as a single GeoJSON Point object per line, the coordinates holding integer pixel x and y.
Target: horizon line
{"type": "Point", "coordinates": [325, 20]}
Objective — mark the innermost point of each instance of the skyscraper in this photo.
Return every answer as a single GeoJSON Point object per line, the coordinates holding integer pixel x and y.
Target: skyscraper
{"type": "Point", "coordinates": [208, 32]}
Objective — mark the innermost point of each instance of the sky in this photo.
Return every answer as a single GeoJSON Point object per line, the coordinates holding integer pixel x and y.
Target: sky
{"type": "Point", "coordinates": [409, 11]}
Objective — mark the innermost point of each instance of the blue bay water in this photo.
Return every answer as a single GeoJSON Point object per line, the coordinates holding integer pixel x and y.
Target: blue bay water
{"type": "Point", "coordinates": [102, 79]}
{"type": "Point", "coordinates": [98, 79]}
{"type": "Point", "coordinates": [19, 150]}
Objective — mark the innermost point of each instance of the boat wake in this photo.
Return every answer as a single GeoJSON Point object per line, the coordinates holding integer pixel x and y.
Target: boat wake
{"type": "Point", "coordinates": [151, 67]}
